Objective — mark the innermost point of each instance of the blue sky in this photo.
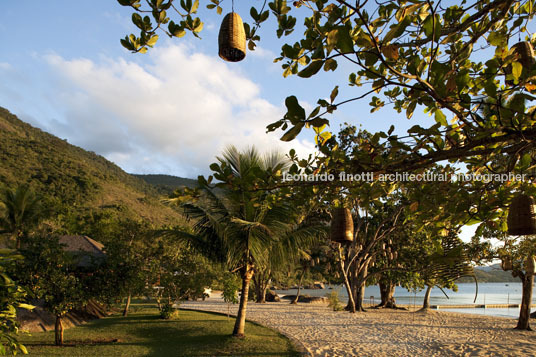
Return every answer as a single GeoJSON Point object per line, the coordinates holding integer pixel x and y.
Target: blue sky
{"type": "Point", "coordinates": [170, 111]}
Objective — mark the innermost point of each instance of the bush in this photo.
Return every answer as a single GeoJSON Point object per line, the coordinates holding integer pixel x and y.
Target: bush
{"type": "Point", "coordinates": [168, 312]}
{"type": "Point", "coordinates": [334, 302]}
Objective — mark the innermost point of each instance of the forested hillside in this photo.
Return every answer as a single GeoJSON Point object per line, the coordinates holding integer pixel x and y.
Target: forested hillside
{"type": "Point", "coordinates": [72, 180]}
{"type": "Point", "coordinates": [490, 274]}
{"type": "Point", "coordinates": [166, 184]}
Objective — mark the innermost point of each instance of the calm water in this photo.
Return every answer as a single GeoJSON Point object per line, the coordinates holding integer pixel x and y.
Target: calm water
{"type": "Point", "coordinates": [488, 293]}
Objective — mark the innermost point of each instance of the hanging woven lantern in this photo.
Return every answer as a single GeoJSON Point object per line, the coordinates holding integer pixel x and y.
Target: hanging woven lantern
{"type": "Point", "coordinates": [525, 54]}
{"type": "Point", "coordinates": [506, 263]}
{"type": "Point", "coordinates": [521, 218]}
{"type": "Point", "coordinates": [232, 38]}
{"type": "Point", "coordinates": [342, 225]}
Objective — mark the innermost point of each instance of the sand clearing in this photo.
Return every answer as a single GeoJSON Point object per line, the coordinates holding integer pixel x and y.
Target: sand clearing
{"type": "Point", "coordinates": [386, 332]}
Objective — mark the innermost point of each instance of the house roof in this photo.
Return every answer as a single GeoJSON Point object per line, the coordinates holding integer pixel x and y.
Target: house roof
{"type": "Point", "coordinates": [84, 247]}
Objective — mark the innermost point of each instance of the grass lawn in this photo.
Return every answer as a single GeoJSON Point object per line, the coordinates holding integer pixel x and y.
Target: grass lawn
{"type": "Point", "coordinates": [143, 333]}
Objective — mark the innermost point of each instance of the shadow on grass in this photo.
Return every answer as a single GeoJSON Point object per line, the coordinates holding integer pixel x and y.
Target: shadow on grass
{"type": "Point", "coordinates": [145, 334]}
{"type": "Point", "coordinates": [75, 343]}
{"type": "Point", "coordinates": [209, 335]}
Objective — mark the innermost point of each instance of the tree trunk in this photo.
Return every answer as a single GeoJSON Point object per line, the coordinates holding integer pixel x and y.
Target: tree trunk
{"type": "Point", "coordinates": [240, 323]}
{"type": "Point", "coordinates": [526, 300]}
{"type": "Point", "coordinates": [261, 285]}
{"type": "Point", "coordinates": [387, 292]}
{"type": "Point", "coordinates": [295, 301]}
{"type": "Point", "coordinates": [351, 303]}
{"type": "Point", "coordinates": [18, 237]}
{"type": "Point", "coordinates": [361, 285]}
{"type": "Point", "coordinates": [127, 305]}
{"type": "Point", "coordinates": [58, 331]}
{"type": "Point", "coordinates": [352, 279]}
{"type": "Point", "coordinates": [426, 301]}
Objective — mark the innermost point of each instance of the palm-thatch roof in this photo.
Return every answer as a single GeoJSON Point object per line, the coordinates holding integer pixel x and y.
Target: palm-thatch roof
{"type": "Point", "coordinates": [85, 250]}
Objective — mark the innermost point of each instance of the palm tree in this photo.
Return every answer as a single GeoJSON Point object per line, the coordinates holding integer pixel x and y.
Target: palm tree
{"type": "Point", "coordinates": [22, 211]}
{"type": "Point", "coordinates": [241, 222]}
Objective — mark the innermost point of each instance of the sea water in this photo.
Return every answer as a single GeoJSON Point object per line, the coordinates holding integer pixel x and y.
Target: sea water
{"type": "Point", "coordinates": [488, 293]}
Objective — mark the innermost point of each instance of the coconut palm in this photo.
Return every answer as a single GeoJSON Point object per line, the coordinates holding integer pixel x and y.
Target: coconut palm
{"type": "Point", "coordinates": [241, 222]}
{"type": "Point", "coordinates": [21, 212]}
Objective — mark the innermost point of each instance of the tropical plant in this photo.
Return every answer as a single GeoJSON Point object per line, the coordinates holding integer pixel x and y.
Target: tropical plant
{"type": "Point", "coordinates": [21, 212]}
{"type": "Point", "coordinates": [240, 223]}
{"type": "Point", "coordinates": [12, 296]}
{"type": "Point", "coordinates": [169, 312]}
{"type": "Point", "coordinates": [48, 272]}
{"type": "Point", "coordinates": [334, 302]}
{"type": "Point", "coordinates": [231, 285]}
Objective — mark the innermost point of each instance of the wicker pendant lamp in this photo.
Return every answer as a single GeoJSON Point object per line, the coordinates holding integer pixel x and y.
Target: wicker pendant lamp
{"type": "Point", "coordinates": [506, 263]}
{"type": "Point", "coordinates": [342, 225]}
{"type": "Point", "coordinates": [232, 38]}
{"type": "Point", "coordinates": [521, 216]}
{"type": "Point", "coordinates": [525, 54]}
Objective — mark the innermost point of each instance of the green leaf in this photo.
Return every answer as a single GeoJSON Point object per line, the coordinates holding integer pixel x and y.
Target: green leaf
{"type": "Point", "coordinates": [287, 72]}
{"type": "Point", "coordinates": [152, 41]}
{"type": "Point", "coordinates": [26, 306]}
{"type": "Point", "coordinates": [292, 132]}
{"type": "Point", "coordinates": [517, 68]}
{"type": "Point", "coordinates": [411, 109]}
{"type": "Point", "coordinates": [162, 16]}
{"type": "Point", "coordinates": [254, 13]}
{"type": "Point", "coordinates": [440, 118]}
{"type": "Point", "coordinates": [497, 39]}
{"type": "Point", "coordinates": [330, 65]}
{"type": "Point", "coordinates": [432, 26]}
{"type": "Point", "coordinates": [340, 38]}
{"type": "Point", "coordinates": [138, 21]}
{"type": "Point", "coordinates": [397, 30]}
{"type": "Point", "coordinates": [319, 122]}
{"type": "Point", "coordinates": [311, 69]}
{"type": "Point", "coordinates": [195, 6]}
{"type": "Point", "coordinates": [295, 112]}
{"type": "Point", "coordinates": [377, 85]}
{"type": "Point", "coordinates": [334, 94]}
{"type": "Point", "coordinates": [525, 161]}
{"type": "Point", "coordinates": [344, 41]}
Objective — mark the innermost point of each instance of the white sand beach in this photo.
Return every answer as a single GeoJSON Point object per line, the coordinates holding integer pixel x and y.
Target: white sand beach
{"type": "Point", "coordinates": [386, 332]}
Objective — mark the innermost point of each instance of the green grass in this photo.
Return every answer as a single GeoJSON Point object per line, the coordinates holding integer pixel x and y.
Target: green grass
{"type": "Point", "coordinates": [143, 333]}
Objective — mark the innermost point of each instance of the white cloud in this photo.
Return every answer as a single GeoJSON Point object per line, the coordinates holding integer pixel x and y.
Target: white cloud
{"type": "Point", "coordinates": [4, 66]}
{"type": "Point", "coordinates": [172, 116]}
{"type": "Point", "coordinates": [262, 53]}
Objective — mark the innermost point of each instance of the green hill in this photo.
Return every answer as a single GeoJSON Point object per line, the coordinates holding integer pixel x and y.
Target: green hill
{"type": "Point", "coordinates": [490, 274]}
{"type": "Point", "coordinates": [71, 179]}
{"type": "Point", "coordinates": [166, 184]}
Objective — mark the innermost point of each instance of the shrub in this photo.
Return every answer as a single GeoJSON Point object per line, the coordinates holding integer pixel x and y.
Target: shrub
{"type": "Point", "coordinates": [334, 302]}
{"type": "Point", "coordinates": [168, 312]}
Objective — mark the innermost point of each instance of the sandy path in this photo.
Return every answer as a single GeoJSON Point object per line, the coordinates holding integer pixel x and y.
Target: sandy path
{"type": "Point", "coordinates": [386, 332]}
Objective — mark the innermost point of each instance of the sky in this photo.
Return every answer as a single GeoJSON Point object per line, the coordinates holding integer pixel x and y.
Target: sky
{"type": "Point", "coordinates": [170, 111]}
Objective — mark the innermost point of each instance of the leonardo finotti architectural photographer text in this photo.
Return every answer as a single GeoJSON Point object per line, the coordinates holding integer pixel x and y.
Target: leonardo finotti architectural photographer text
{"type": "Point", "coordinates": [403, 177]}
